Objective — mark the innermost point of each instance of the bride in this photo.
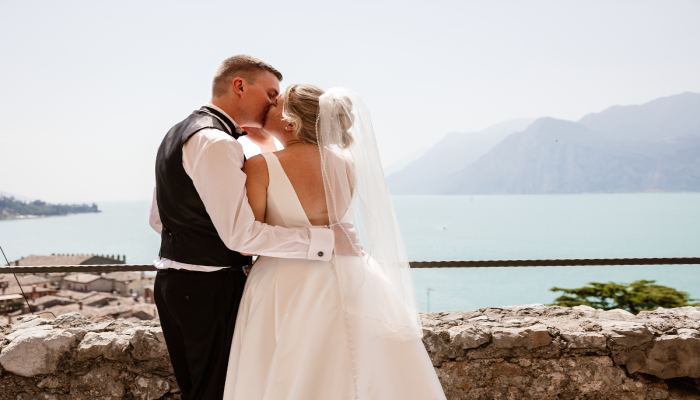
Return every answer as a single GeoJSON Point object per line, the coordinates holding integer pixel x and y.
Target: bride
{"type": "Point", "coordinates": [317, 330]}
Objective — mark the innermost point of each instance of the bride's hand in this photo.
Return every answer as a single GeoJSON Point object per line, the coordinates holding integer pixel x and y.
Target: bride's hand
{"type": "Point", "coordinates": [261, 138]}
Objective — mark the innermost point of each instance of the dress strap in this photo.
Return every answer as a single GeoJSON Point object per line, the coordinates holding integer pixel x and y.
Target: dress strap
{"type": "Point", "coordinates": [274, 169]}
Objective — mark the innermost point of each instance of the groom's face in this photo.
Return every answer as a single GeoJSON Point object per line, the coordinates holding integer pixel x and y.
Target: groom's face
{"type": "Point", "coordinates": [260, 95]}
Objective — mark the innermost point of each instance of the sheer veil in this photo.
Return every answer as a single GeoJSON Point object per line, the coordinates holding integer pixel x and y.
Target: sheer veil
{"type": "Point", "coordinates": [375, 283]}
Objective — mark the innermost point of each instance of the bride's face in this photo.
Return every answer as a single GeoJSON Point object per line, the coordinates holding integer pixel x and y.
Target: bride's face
{"type": "Point", "coordinates": [274, 124]}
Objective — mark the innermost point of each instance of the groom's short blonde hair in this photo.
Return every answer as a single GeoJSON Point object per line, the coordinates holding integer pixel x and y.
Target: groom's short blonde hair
{"type": "Point", "coordinates": [243, 66]}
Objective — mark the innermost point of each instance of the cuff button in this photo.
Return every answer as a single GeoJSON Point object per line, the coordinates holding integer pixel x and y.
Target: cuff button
{"type": "Point", "coordinates": [320, 254]}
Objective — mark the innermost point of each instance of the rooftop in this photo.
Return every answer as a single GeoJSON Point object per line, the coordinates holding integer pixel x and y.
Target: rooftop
{"type": "Point", "coordinates": [82, 278]}
{"type": "Point", "coordinates": [122, 276]}
{"type": "Point", "coordinates": [50, 299]}
{"type": "Point", "coordinates": [69, 259]}
{"type": "Point", "coordinates": [11, 297]}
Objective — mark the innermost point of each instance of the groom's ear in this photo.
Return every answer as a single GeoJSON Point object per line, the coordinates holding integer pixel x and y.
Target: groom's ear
{"type": "Point", "coordinates": [238, 86]}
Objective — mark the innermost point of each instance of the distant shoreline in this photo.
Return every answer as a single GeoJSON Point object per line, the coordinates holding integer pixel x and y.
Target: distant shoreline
{"type": "Point", "coordinates": [43, 216]}
{"type": "Point", "coordinates": [11, 209]}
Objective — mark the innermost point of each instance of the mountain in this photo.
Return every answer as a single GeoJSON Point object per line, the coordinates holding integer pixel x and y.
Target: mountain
{"type": "Point", "coordinates": [664, 118]}
{"type": "Point", "coordinates": [454, 152]}
{"type": "Point", "coordinates": [402, 162]}
{"type": "Point", "coordinates": [649, 147]}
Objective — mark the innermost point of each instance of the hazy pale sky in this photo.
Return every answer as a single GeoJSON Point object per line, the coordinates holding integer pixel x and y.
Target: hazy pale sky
{"type": "Point", "coordinates": [88, 89]}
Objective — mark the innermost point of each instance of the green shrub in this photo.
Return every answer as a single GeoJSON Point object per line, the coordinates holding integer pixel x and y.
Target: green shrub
{"type": "Point", "coordinates": [635, 297]}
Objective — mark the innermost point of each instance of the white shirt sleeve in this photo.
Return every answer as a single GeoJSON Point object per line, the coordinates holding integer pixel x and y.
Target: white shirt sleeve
{"type": "Point", "coordinates": [154, 216]}
{"type": "Point", "coordinates": [213, 160]}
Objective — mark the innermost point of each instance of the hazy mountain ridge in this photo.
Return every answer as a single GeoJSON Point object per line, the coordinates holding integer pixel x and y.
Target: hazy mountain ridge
{"type": "Point", "coordinates": [649, 147]}
{"type": "Point", "coordinates": [455, 151]}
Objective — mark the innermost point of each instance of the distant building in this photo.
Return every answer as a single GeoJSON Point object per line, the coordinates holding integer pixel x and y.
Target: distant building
{"type": "Point", "coordinates": [50, 301]}
{"type": "Point", "coordinates": [131, 282]}
{"type": "Point", "coordinates": [69, 259]}
{"type": "Point", "coordinates": [10, 299]}
{"type": "Point", "coordinates": [100, 299]}
{"type": "Point", "coordinates": [111, 295]}
{"type": "Point", "coordinates": [34, 286]}
{"type": "Point", "coordinates": [87, 283]}
{"type": "Point", "coordinates": [149, 294]}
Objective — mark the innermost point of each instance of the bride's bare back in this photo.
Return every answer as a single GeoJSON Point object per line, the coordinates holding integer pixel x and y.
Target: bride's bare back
{"type": "Point", "coordinates": [302, 165]}
{"type": "Point", "coordinates": [300, 159]}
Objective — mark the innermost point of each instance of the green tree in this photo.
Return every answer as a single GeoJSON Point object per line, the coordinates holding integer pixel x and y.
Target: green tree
{"type": "Point", "coordinates": [635, 297]}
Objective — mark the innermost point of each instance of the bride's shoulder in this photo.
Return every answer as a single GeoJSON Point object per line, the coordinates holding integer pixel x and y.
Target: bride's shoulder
{"type": "Point", "coordinates": [256, 168]}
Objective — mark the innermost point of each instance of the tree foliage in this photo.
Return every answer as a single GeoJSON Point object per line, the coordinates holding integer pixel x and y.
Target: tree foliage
{"type": "Point", "coordinates": [11, 208]}
{"type": "Point", "coordinates": [635, 297]}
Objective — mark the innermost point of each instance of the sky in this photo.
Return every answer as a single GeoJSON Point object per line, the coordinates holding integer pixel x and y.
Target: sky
{"type": "Point", "coordinates": [88, 89]}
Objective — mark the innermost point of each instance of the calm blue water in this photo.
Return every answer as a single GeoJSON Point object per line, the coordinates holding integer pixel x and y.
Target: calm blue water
{"type": "Point", "coordinates": [454, 228]}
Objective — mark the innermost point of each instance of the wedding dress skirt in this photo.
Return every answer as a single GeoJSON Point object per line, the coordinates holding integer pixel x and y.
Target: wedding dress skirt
{"type": "Point", "coordinates": [293, 341]}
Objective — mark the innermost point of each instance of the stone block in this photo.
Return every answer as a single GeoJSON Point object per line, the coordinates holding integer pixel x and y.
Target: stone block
{"type": "Point", "coordinates": [150, 388]}
{"type": "Point", "coordinates": [672, 356]}
{"type": "Point", "coordinates": [100, 383]}
{"type": "Point", "coordinates": [50, 382]}
{"type": "Point", "coordinates": [99, 327]}
{"type": "Point", "coordinates": [627, 334]}
{"type": "Point", "coordinates": [36, 352]}
{"type": "Point", "coordinates": [31, 322]}
{"type": "Point", "coordinates": [73, 319]}
{"type": "Point", "coordinates": [468, 336]}
{"type": "Point", "coordinates": [585, 340]}
{"type": "Point", "coordinates": [148, 343]}
{"type": "Point", "coordinates": [455, 316]}
{"type": "Point", "coordinates": [21, 332]}
{"type": "Point", "coordinates": [107, 344]}
{"type": "Point", "coordinates": [529, 337]}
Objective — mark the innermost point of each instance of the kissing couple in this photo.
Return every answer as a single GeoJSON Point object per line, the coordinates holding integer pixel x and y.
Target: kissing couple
{"type": "Point", "coordinates": [328, 311]}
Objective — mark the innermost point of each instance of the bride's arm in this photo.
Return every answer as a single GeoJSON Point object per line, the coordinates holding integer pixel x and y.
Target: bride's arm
{"type": "Point", "coordinates": [256, 186]}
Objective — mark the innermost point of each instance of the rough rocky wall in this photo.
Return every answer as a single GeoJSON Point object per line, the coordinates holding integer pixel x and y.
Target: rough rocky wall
{"type": "Point", "coordinates": [520, 352]}
{"type": "Point", "coordinates": [75, 358]}
{"type": "Point", "coordinates": [541, 352]}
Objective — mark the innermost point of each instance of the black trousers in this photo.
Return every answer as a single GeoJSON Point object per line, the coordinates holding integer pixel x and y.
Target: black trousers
{"type": "Point", "coordinates": [198, 313]}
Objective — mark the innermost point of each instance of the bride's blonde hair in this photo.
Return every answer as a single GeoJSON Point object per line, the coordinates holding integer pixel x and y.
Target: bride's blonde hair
{"type": "Point", "coordinates": [301, 108]}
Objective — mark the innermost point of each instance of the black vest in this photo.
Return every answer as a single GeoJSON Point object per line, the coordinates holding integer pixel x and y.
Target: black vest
{"type": "Point", "coordinates": [188, 233]}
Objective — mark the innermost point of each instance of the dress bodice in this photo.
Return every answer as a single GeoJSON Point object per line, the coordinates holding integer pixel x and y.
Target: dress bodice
{"type": "Point", "coordinates": [283, 205]}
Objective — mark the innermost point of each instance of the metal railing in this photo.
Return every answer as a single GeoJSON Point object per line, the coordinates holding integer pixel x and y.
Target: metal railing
{"type": "Point", "coordinates": [414, 264]}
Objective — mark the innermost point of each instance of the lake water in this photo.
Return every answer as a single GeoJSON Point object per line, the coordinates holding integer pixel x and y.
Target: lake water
{"type": "Point", "coordinates": [454, 228]}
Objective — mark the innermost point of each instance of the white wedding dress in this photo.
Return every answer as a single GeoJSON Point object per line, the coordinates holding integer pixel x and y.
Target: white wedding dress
{"type": "Point", "coordinates": [294, 341]}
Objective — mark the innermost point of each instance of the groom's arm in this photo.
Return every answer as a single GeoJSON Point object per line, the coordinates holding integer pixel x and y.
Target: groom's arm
{"type": "Point", "coordinates": [154, 215]}
{"type": "Point", "coordinates": [214, 162]}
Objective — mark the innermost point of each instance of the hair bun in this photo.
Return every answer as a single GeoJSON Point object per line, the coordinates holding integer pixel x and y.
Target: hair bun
{"type": "Point", "coordinates": [301, 108]}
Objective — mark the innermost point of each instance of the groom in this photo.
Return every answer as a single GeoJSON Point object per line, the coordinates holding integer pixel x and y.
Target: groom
{"type": "Point", "coordinates": [201, 211]}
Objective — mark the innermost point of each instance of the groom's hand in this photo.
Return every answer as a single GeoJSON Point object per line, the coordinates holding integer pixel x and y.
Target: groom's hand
{"type": "Point", "coordinates": [347, 243]}
{"type": "Point", "coordinates": [263, 139]}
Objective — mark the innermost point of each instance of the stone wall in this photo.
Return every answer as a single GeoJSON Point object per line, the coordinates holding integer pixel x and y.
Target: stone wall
{"type": "Point", "coordinates": [520, 352]}
{"type": "Point", "coordinates": [76, 358]}
{"type": "Point", "coordinates": [541, 352]}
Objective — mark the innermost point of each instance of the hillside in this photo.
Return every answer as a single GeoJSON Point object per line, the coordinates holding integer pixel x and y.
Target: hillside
{"type": "Point", "coordinates": [451, 154]}
{"type": "Point", "coordinates": [13, 209]}
{"type": "Point", "coordinates": [649, 147]}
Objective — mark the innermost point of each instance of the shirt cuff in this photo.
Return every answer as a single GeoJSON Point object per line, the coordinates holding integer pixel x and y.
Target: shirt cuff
{"type": "Point", "coordinates": [321, 246]}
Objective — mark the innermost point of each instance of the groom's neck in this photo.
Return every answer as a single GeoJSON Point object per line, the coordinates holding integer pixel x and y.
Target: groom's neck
{"type": "Point", "coordinates": [227, 106]}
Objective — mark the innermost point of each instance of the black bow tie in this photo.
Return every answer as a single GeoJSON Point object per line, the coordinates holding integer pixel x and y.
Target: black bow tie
{"type": "Point", "coordinates": [225, 119]}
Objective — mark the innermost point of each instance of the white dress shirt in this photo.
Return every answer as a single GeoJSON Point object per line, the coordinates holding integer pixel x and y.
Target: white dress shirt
{"type": "Point", "coordinates": [214, 162]}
